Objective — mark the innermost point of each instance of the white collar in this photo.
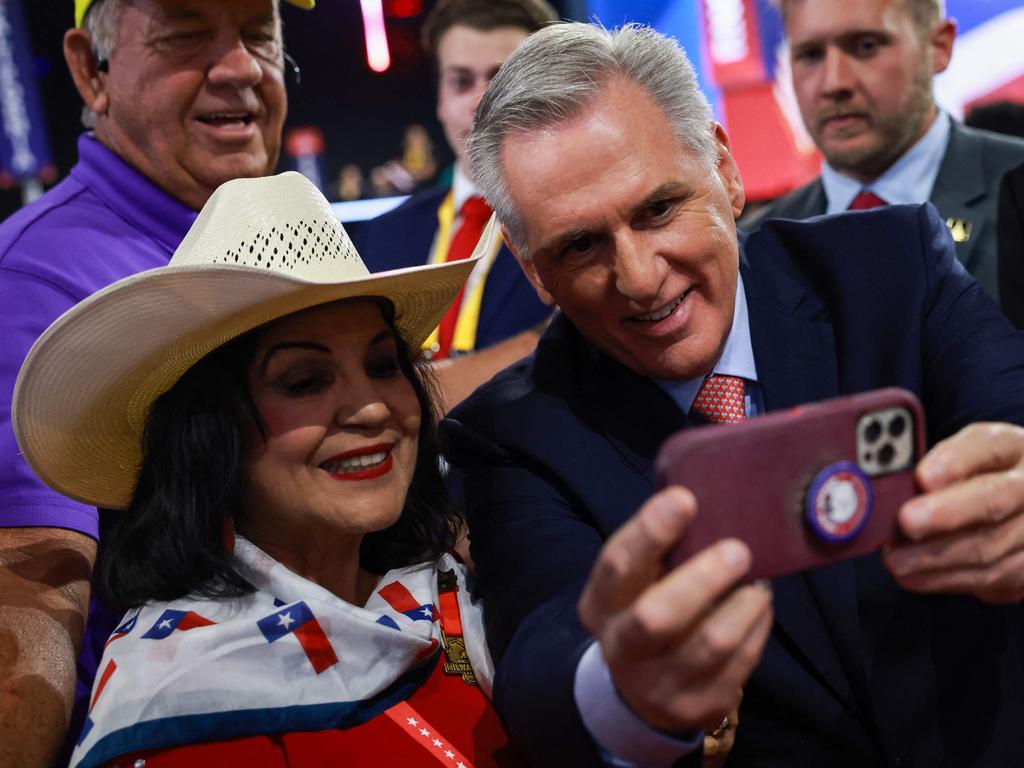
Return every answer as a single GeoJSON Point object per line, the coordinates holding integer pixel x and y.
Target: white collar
{"type": "Point", "coordinates": [909, 180]}
{"type": "Point", "coordinates": [462, 188]}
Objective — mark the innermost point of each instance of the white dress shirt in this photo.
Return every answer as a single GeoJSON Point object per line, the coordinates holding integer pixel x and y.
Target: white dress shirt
{"type": "Point", "coordinates": [907, 181]}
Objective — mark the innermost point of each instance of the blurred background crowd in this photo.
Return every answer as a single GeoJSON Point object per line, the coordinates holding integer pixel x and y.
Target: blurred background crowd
{"type": "Point", "coordinates": [362, 125]}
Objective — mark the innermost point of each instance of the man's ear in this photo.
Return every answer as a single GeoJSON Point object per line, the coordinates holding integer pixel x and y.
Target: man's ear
{"type": "Point", "coordinates": [728, 171]}
{"type": "Point", "coordinates": [90, 82]}
{"type": "Point", "coordinates": [529, 269]}
{"type": "Point", "coordinates": [941, 40]}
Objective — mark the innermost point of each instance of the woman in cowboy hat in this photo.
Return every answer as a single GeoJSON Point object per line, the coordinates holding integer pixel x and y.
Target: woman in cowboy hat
{"type": "Point", "coordinates": [255, 409]}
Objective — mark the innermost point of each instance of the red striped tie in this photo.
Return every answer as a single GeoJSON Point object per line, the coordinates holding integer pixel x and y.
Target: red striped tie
{"type": "Point", "coordinates": [720, 400]}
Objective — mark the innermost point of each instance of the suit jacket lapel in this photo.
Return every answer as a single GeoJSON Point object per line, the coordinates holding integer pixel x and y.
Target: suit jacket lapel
{"type": "Point", "coordinates": [960, 184]}
{"type": "Point", "coordinates": [796, 363]}
{"type": "Point", "coordinates": [635, 415]}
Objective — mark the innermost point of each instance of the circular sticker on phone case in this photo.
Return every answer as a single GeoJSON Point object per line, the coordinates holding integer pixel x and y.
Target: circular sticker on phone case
{"type": "Point", "coordinates": [839, 502]}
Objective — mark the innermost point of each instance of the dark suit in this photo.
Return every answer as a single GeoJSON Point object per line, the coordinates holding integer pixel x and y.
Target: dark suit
{"type": "Point", "coordinates": [558, 453]}
{"type": "Point", "coordinates": [966, 188]}
{"type": "Point", "coordinates": [1011, 246]}
{"type": "Point", "coordinates": [403, 238]}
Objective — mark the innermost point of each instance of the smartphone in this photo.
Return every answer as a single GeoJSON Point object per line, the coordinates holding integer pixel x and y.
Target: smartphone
{"type": "Point", "coordinates": [804, 487]}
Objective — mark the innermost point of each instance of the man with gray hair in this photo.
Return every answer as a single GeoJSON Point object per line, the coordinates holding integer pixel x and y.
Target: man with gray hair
{"type": "Point", "coordinates": [862, 75]}
{"type": "Point", "coordinates": [618, 194]}
{"type": "Point", "coordinates": [182, 95]}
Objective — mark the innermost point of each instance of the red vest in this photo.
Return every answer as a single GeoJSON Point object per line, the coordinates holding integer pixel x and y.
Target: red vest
{"type": "Point", "coordinates": [459, 712]}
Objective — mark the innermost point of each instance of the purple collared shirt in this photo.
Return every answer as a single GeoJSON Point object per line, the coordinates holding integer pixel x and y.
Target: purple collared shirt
{"type": "Point", "coordinates": [104, 222]}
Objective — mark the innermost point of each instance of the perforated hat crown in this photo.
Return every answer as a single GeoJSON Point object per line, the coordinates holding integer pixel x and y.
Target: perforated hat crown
{"type": "Point", "coordinates": [259, 250]}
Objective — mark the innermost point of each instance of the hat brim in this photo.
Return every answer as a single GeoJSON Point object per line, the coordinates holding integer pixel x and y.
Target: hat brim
{"type": "Point", "coordinates": [84, 392]}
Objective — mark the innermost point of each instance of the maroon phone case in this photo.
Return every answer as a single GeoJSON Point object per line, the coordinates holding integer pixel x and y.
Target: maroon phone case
{"type": "Point", "coordinates": [751, 480]}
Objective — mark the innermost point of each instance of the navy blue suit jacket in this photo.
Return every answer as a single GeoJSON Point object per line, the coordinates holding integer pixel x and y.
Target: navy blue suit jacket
{"type": "Point", "coordinates": [559, 449]}
{"type": "Point", "coordinates": [403, 238]}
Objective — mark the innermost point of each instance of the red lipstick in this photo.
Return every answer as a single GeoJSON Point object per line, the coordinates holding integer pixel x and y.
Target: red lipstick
{"type": "Point", "coordinates": [362, 473]}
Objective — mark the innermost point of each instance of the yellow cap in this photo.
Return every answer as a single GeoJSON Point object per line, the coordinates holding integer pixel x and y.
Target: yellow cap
{"type": "Point", "coordinates": [81, 6]}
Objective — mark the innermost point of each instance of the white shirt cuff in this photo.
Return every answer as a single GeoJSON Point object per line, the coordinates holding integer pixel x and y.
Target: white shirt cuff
{"type": "Point", "coordinates": [626, 740]}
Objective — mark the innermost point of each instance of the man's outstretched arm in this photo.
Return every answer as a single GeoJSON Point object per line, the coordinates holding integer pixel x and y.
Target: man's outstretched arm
{"type": "Point", "coordinates": [44, 599]}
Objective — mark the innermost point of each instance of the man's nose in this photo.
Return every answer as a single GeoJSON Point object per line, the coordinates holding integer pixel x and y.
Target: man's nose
{"type": "Point", "coordinates": [234, 64]}
{"type": "Point", "coordinates": [836, 73]}
{"type": "Point", "coordinates": [639, 271]}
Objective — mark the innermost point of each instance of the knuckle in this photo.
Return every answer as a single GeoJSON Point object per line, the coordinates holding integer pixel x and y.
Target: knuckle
{"type": "Point", "coordinates": [710, 571]}
{"type": "Point", "coordinates": [1004, 440]}
{"type": "Point", "coordinates": [979, 551]}
{"type": "Point", "coordinates": [992, 579]}
{"type": "Point", "coordinates": [612, 565]}
{"type": "Point", "coordinates": [646, 621]}
{"type": "Point", "coordinates": [995, 494]}
{"type": "Point", "coordinates": [652, 526]}
{"type": "Point", "coordinates": [717, 641]}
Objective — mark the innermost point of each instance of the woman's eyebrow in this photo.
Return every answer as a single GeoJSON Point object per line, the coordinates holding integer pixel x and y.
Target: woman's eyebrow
{"type": "Point", "coordinates": [283, 345]}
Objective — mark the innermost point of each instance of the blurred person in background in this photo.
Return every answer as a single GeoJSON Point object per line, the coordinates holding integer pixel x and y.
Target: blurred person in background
{"type": "Point", "coordinates": [181, 95]}
{"type": "Point", "coordinates": [862, 74]}
{"type": "Point", "coordinates": [497, 319]}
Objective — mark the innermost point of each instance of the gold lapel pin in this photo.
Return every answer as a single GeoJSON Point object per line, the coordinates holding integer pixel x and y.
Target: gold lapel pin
{"type": "Point", "coordinates": [960, 229]}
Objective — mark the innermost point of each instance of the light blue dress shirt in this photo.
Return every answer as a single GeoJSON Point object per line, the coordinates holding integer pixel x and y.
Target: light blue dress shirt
{"type": "Point", "coordinates": [737, 360]}
{"type": "Point", "coordinates": [907, 181]}
{"type": "Point", "coordinates": [625, 740]}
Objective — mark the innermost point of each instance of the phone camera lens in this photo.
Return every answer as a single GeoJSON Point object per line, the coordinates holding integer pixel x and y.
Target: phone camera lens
{"type": "Point", "coordinates": [897, 426]}
{"type": "Point", "coordinates": [872, 431]}
{"type": "Point", "coordinates": [886, 454]}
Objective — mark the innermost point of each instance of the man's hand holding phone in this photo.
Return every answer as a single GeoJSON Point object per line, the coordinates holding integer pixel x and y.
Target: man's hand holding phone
{"type": "Point", "coordinates": [679, 643]}
{"type": "Point", "coordinates": [965, 532]}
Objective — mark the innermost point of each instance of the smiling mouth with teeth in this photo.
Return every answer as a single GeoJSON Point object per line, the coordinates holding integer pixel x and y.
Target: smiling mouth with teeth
{"type": "Point", "coordinates": [660, 314]}
{"type": "Point", "coordinates": [361, 467]}
{"type": "Point", "coordinates": [226, 118]}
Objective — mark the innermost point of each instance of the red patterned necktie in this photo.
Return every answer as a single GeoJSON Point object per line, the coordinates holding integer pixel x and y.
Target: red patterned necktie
{"type": "Point", "coordinates": [474, 214]}
{"type": "Point", "coordinates": [720, 400]}
{"type": "Point", "coordinates": [865, 200]}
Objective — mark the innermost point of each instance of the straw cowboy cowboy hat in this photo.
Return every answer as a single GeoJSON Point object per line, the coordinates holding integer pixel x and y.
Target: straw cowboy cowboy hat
{"type": "Point", "coordinates": [260, 249]}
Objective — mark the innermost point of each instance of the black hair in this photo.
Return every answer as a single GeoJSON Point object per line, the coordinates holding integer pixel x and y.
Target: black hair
{"type": "Point", "coordinates": [170, 541]}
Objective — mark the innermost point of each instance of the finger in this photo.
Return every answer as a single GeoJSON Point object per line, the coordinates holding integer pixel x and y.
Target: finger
{"type": "Point", "coordinates": [708, 700]}
{"type": "Point", "coordinates": [977, 448]}
{"type": "Point", "coordinates": [671, 608]}
{"type": "Point", "coordinates": [664, 692]}
{"type": "Point", "coordinates": [978, 547]}
{"type": "Point", "coordinates": [1001, 583]}
{"type": "Point", "coordinates": [985, 499]}
{"type": "Point", "coordinates": [736, 670]}
{"type": "Point", "coordinates": [725, 628]}
{"type": "Point", "coordinates": [633, 556]}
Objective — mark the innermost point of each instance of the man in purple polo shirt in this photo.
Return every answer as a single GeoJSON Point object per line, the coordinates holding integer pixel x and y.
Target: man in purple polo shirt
{"type": "Point", "coordinates": [182, 95]}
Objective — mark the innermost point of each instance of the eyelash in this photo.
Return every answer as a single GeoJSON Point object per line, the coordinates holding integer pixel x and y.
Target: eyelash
{"type": "Point", "coordinates": [384, 369]}
{"type": "Point", "coordinates": [305, 386]}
